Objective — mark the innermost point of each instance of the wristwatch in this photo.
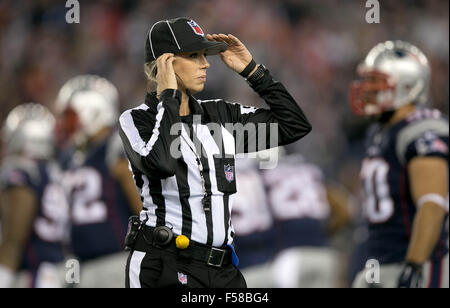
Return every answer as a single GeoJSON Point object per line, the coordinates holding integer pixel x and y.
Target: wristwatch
{"type": "Point", "coordinates": [257, 74]}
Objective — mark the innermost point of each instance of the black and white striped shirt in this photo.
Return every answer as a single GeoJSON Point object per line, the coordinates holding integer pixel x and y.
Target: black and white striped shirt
{"type": "Point", "coordinates": [165, 167]}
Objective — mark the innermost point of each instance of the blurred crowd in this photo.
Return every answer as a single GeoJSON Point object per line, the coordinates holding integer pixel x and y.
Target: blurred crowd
{"type": "Point", "coordinates": [313, 47]}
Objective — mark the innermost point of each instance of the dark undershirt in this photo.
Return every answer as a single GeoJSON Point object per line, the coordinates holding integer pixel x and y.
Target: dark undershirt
{"type": "Point", "coordinates": [187, 119]}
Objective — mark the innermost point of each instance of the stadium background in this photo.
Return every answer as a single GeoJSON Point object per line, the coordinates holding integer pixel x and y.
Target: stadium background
{"type": "Point", "coordinates": [313, 47]}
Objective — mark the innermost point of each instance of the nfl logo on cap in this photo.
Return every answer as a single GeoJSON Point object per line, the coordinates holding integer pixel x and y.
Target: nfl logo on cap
{"type": "Point", "coordinates": [196, 28]}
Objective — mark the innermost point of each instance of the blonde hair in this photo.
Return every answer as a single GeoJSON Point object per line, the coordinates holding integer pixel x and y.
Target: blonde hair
{"type": "Point", "coordinates": [150, 70]}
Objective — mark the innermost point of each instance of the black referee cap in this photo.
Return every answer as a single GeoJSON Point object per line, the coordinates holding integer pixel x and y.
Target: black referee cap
{"type": "Point", "coordinates": [178, 35]}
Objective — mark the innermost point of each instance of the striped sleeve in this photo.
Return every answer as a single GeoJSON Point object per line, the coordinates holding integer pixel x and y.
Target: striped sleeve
{"type": "Point", "coordinates": [284, 114]}
{"type": "Point", "coordinates": [145, 134]}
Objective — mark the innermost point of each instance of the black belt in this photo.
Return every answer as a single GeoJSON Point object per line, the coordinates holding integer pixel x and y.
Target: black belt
{"type": "Point", "coordinates": [212, 256]}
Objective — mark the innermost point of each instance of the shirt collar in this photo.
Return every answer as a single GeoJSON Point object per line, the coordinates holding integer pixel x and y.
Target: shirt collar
{"type": "Point", "coordinates": [194, 105]}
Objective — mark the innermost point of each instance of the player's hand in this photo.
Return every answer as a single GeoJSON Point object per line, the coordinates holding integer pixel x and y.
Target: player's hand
{"type": "Point", "coordinates": [237, 56]}
{"type": "Point", "coordinates": [166, 75]}
{"type": "Point", "coordinates": [411, 276]}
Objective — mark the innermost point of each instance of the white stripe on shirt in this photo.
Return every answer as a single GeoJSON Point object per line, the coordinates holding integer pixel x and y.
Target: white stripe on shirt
{"type": "Point", "coordinates": [228, 142]}
{"type": "Point", "coordinates": [199, 231]}
{"type": "Point", "coordinates": [173, 208]}
{"type": "Point", "coordinates": [132, 133]}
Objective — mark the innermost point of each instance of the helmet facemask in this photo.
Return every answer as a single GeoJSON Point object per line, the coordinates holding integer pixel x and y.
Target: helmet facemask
{"type": "Point", "coordinates": [67, 125]}
{"type": "Point", "coordinates": [373, 94]}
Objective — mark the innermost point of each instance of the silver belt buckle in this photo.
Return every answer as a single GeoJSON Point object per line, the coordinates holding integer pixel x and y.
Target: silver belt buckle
{"type": "Point", "coordinates": [211, 254]}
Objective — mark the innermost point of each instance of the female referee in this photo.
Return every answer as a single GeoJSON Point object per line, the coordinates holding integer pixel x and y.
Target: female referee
{"type": "Point", "coordinates": [182, 155]}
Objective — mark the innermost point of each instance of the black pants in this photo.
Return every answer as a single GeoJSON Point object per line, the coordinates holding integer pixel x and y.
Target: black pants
{"type": "Point", "coordinates": [159, 268]}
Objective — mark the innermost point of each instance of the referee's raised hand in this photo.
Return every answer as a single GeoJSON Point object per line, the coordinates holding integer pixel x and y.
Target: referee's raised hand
{"type": "Point", "coordinates": [166, 75]}
{"type": "Point", "coordinates": [237, 56]}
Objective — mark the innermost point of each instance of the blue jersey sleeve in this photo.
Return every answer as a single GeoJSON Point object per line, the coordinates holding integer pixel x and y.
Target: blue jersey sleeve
{"type": "Point", "coordinates": [428, 145]}
{"type": "Point", "coordinates": [423, 138]}
{"type": "Point", "coordinates": [18, 172]}
{"type": "Point", "coordinates": [14, 177]}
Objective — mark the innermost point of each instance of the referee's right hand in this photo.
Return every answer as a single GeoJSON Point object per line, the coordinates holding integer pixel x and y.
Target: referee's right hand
{"type": "Point", "coordinates": [166, 75]}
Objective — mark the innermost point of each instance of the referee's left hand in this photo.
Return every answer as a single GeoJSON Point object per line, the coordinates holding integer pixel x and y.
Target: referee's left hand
{"type": "Point", "coordinates": [237, 56]}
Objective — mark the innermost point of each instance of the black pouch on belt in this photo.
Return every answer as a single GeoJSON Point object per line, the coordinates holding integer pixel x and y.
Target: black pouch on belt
{"type": "Point", "coordinates": [134, 226]}
{"type": "Point", "coordinates": [162, 236]}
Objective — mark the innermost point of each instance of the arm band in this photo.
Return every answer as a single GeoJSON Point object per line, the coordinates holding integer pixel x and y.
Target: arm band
{"type": "Point", "coordinates": [434, 198]}
{"type": "Point", "coordinates": [248, 69]}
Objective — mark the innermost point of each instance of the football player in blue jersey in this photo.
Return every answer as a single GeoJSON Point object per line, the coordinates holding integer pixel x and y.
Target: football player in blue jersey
{"type": "Point", "coordinates": [283, 219]}
{"type": "Point", "coordinates": [405, 171]}
{"type": "Point", "coordinates": [102, 193]}
{"type": "Point", "coordinates": [253, 225]}
{"type": "Point", "coordinates": [33, 204]}
{"type": "Point", "coordinates": [302, 215]}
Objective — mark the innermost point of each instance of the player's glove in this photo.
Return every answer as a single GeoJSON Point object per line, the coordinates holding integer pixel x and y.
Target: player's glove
{"type": "Point", "coordinates": [411, 276]}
